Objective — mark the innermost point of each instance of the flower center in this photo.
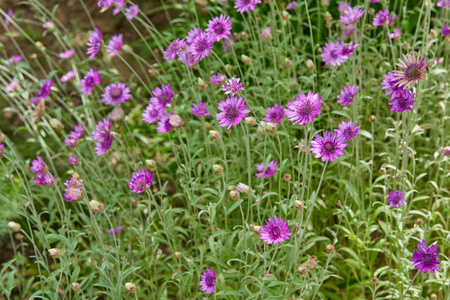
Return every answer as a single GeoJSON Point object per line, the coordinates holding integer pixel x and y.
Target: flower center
{"type": "Point", "coordinates": [427, 259]}
{"type": "Point", "coordinates": [412, 71]}
{"type": "Point", "coordinates": [305, 108]}
{"type": "Point", "coordinates": [232, 112]}
{"type": "Point", "coordinates": [210, 280]}
{"type": "Point", "coordinates": [141, 185]}
{"type": "Point", "coordinates": [348, 132]}
{"type": "Point", "coordinates": [89, 81]}
{"type": "Point", "coordinates": [164, 98]}
{"type": "Point", "coordinates": [329, 147]}
{"type": "Point", "coordinates": [396, 199]}
{"type": "Point", "coordinates": [276, 232]}
{"type": "Point", "coordinates": [334, 54]}
{"type": "Point", "coordinates": [154, 113]}
{"type": "Point", "coordinates": [201, 45]}
{"type": "Point", "coordinates": [115, 92]}
{"type": "Point", "coordinates": [218, 28]}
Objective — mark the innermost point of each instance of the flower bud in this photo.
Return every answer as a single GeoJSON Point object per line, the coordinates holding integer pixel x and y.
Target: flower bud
{"type": "Point", "coordinates": [285, 15]}
{"type": "Point", "coordinates": [75, 176]}
{"type": "Point", "coordinates": [256, 228]}
{"type": "Point", "coordinates": [56, 124]}
{"type": "Point", "coordinates": [271, 127]}
{"type": "Point", "coordinates": [151, 163]}
{"type": "Point", "coordinates": [287, 62]}
{"type": "Point", "coordinates": [243, 188]}
{"type": "Point", "coordinates": [382, 170]}
{"type": "Point", "coordinates": [245, 59]}
{"type": "Point", "coordinates": [433, 297]}
{"type": "Point", "coordinates": [176, 121]}
{"type": "Point", "coordinates": [405, 46]}
{"type": "Point", "coordinates": [76, 286]}
{"type": "Point", "coordinates": [299, 205]}
{"type": "Point", "coordinates": [325, 2]}
{"type": "Point", "coordinates": [250, 121]}
{"type": "Point", "coordinates": [372, 119]}
{"type": "Point", "coordinates": [244, 35]}
{"type": "Point", "coordinates": [214, 135]}
{"type": "Point", "coordinates": [218, 169]}
{"type": "Point", "coordinates": [329, 248]}
{"type": "Point", "coordinates": [54, 252]}
{"type": "Point", "coordinates": [287, 177]}
{"type": "Point", "coordinates": [228, 67]}
{"type": "Point", "coordinates": [311, 262]}
{"type": "Point", "coordinates": [14, 226]}
{"type": "Point", "coordinates": [374, 280]}
{"type": "Point", "coordinates": [419, 222]}
{"type": "Point", "coordinates": [234, 195]}
{"type": "Point", "coordinates": [2, 137]}
{"type": "Point", "coordinates": [371, 11]}
{"type": "Point", "coordinates": [131, 287]}
{"type": "Point", "coordinates": [208, 125]}
{"type": "Point", "coordinates": [40, 46]}
{"type": "Point", "coordinates": [201, 84]}
{"type": "Point", "coordinates": [310, 64]}
{"type": "Point", "coordinates": [433, 33]}
{"type": "Point", "coordinates": [237, 36]}
{"type": "Point", "coordinates": [328, 16]}
{"type": "Point", "coordinates": [177, 254]}
{"type": "Point", "coordinates": [96, 206]}
{"type": "Point", "coordinates": [302, 270]}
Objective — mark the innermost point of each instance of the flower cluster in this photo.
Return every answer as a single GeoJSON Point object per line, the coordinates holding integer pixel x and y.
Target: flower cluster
{"type": "Point", "coordinates": [43, 176]}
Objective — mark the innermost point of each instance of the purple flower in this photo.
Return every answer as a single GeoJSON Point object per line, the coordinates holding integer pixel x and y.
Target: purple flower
{"type": "Point", "coordinates": [115, 230]}
{"type": "Point", "coordinates": [71, 142]}
{"type": "Point", "coordinates": [347, 95]}
{"type": "Point", "coordinates": [193, 34]}
{"type": "Point", "coordinates": [91, 78]}
{"type": "Point", "coordinates": [201, 45]}
{"type": "Point", "coordinates": [426, 259]}
{"type": "Point", "coordinates": [48, 25]}
{"type": "Point", "coordinates": [43, 93]}
{"type": "Point", "coordinates": [103, 136]}
{"type": "Point", "coordinates": [44, 179]}
{"type": "Point", "coordinates": [381, 18]}
{"type": "Point", "coordinates": [116, 114]}
{"type": "Point", "coordinates": [68, 76]}
{"type": "Point", "coordinates": [233, 86]}
{"type": "Point", "coordinates": [275, 231]}
{"type": "Point", "coordinates": [395, 198]}
{"type": "Point", "coordinates": [38, 165]}
{"type": "Point", "coordinates": [304, 108]}
{"type": "Point", "coordinates": [118, 4]}
{"type": "Point", "coordinates": [218, 79]}
{"type": "Point", "coordinates": [152, 113]}
{"type": "Point", "coordinates": [73, 161]}
{"type": "Point", "coordinates": [77, 133]}
{"type": "Point", "coordinates": [186, 58]}
{"type": "Point", "coordinates": [269, 171]}
{"type": "Point", "coordinates": [208, 282]}
{"type": "Point", "coordinates": [332, 54]}
{"type": "Point", "coordinates": [291, 5]}
{"type": "Point", "coordinates": [105, 3]}
{"type": "Point", "coordinates": [132, 11]}
{"type": "Point", "coordinates": [12, 86]}
{"type": "Point", "coordinates": [200, 109]}
{"type": "Point", "coordinates": [246, 5]}
{"type": "Point", "coordinates": [413, 69]}
{"type": "Point", "coordinates": [445, 4]}
{"type": "Point", "coordinates": [233, 111]}
{"type": "Point", "coordinates": [390, 84]}
{"type": "Point", "coordinates": [1, 149]}
{"type": "Point", "coordinates": [74, 190]}
{"type": "Point", "coordinates": [173, 49]}
{"type": "Point", "coordinates": [220, 27]}
{"type": "Point", "coordinates": [140, 181]}
{"type": "Point", "coordinates": [95, 43]}
{"type": "Point", "coordinates": [445, 30]}
{"type": "Point", "coordinates": [342, 7]}
{"type": "Point", "coordinates": [115, 44]}
{"type": "Point", "coordinates": [401, 101]}
{"type": "Point", "coordinates": [446, 151]}
{"type": "Point", "coordinates": [67, 54]}
{"type": "Point", "coordinates": [348, 130]}
{"type": "Point", "coordinates": [395, 35]}
{"type": "Point", "coordinates": [164, 123]}
{"type": "Point", "coordinates": [266, 33]}
{"type": "Point", "coordinates": [9, 17]}
{"type": "Point", "coordinates": [116, 94]}
{"type": "Point", "coordinates": [162, 96]}
{"type": "Point", "coordinates": [391, 19]}
{"type": "Point", "coordinates": [274, 114]}
{"type": "Point", "coordinates": [348, 48]}
{"type": "Point", "coordinates": [348, 30]}
{"type": "Point", "coordinates": [15, 59]}
{"type": "Point", "coordinates": [329, 147]}
{"type": "Point", "coordinates": [352, 15]}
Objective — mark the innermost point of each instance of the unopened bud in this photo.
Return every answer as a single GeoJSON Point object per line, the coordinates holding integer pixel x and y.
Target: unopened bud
{"type": "Point", "coordinates": [54, 252]}
{"type": "Point", "coordinates": [302, 270]}
{"type": "Point", "coordinates": [151, 163]}
{"type": "Point", "coordinates": [176, 121]}
{"type": "Point", "coordinates": [328, 16]}
{"type": "Point", "coordinates": [14, 226]}
{"type": "Point", "coordinates": [371, 11]}
{"type": "Point", "coordinates": [2, 137]}
{"type": "Point", "coordinates": [287, 62]}
{"type": "Point", "coordinates": [131, 287]}
{"type": "Point", "coordinates": [218, 169]}
{"type": "Point", "coordinates": [298, 204]}
{"type": "Point", "coordinates": [433, 296]}
{"type": "Point", "coordinates": [75, 176]}
{"type": "Point", "coordinates": [243, 188]}
{"type": "Point", "coordinates": [329, 248]}
{"type": "Point", "coordinates": [250, 121]}
{"type": "Point", "coordinates": [234, 195]}
{"type": "Point", "coordinates": [372, 119]}
{"type": "Point", "coordinates": [309, 64]}
{"type": "Point", "coordinates": [405, 45]}
{"type": "Point", "coordinates": [127, 49]}
{"type": "Point", "coordinates": [177, 254]}
{"type": "Point", "coordinates": [244, 35]}
{"type": "Point", "coordinates": [311, 262]}
{"type": "Point", "coordinates": [285, 15]}
{"type": "Point", "coordinates": [201, 84]}
{"type": "Point", "coordinates": [56, 124]}
{"type": "Point", "coordinates": [40, 46]}
{"type": "Point", "coordinates": [246, 60]}
{"type": "Point", "coordinates": [382, 170]}
{"type": "Point", "coordinates": [96, 206]}
{"type": "Point", "coordinates": [76, 286]}
{"type": "Point", "coordinates": [208, 125]}
{"type": "Point", "coordinates": [287, 177]}
{"type": "Point", "coordinates": [228, 67]}
{"type": "Point", "coordinates": [271, 127]}
{"type": "Point", "coordinates": [257, 228]}
{"type": "Point", "coordinates": [214, 135]}
{"type": "Point", "coordinates": [374, 280]}
{"type": "Point", "coordinates": [433, 33]}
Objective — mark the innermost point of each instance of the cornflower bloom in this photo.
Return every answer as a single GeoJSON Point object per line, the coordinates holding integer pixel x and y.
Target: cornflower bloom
{"type": "Point", "coordinates": [200, 109]}
{"type": "Point", "coordinates": [352, 15]}
{"type": "Point", "coordinates": [116, 94]}
{"type": "Point", "coordinates": [401, 101]}
{"type": "Point", "coordinates": [332, 54]}
{"type": "Point", "coordinates": [413, 69]}
{"type": "Point", "coordinates": [445, 4]}
{"type": "Point", "coordinates": [426, 259]}
{"type": "Point", "coordinates": [162, 96]}
{"type": "Point", "coordinates": [233, 86]}
{"type": "Point", "coordinates": [152, 113]}
{"type": "Point", "coordinates": [73, 160]}
{"type": "Point", "coordinates": [208, 282]}
{"type": "Point", "coordinates": [329, 147]}
{"type": "Point", "coordinates": [246, 5]}
{"type": "Point", "coordinates": [91, 78]}
{"type": "Point", "coordinates": [115, 44]}
{"type": "Point", "coordinates": [67, 54]}
{"type": "Point", "coordinates": [304, 108]}
{"type": "Point", "coordinates": [218, 79]}
{"type": "Point", "coordinates": [445, 30]}
{"type": "Point", "coordinates": [395, 198]}
{"type": "Point", "coordinates": [396, 34]}
{"type": "Point", "coordinates": [103, 136]}
{"type": "Point", "coordinates": [68, 76]}
{"type": "Point", "coordinates": [74, 190]}
{"type": "Point", "coordinates": [173, 49]}
{"type": "Point", "coordinates": [269, 171]}
{"type": "Point", "coordinates": [347, 95]}
{"type": "Point", "coordinates": [348, 130]}
{"type": "Point", "coordinates": [164, 123]}
{"type": "Point", "coordinates": [43, 93]}
{"type": "Point", "coordinates": [44, 179]}
{"type": "Point", "coordinates": [201, 45]}
{"type": "Point", "coordinates": [132, 11]}
{"type": "Point", "coordinates": [233, 111]}
{"type": "Point", "coordinates": [220, 27]}
{"type": "Point", "coordinates": [275, 231]}
{"type": "Point", "coordinates": [95, 43]}
{"type": "Point", "coordinates": [115, 230]}
{"type": "Point", "coordinates": [274, 114]}
{"type": "Point", "coordinates": [381, 18]}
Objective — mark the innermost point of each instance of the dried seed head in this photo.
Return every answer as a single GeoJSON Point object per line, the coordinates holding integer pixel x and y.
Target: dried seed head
{"type": "Point", "coordinates": [131, 287]}
{"type": "Point", "coordinates": [228, 67]}
{"type": "Point", "coordinates": [256, 228]}
{"type": "Point", "coordinates": [75, 176]}
{"type": "Point", "coordinates": [14, 226]}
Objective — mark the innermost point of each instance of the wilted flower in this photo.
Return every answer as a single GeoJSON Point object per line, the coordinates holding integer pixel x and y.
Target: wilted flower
{"type": "Point", "coordinates": [275, 231]}
{"type": "Point", "coordinates": [140, 181]}
{"type": "Point", "coordinates": [395, 198]}
{"type": "Point", "coordinates": [304, 108]}
{"type": "Point", "coordinates": [208, 282]}
{"type": "Point", "coordinates": [266, 34]}
{"type": "Point", "coordinates": [130, 287]}
{"type": "Point", "coordinates": [116, 114]}
{"type": "Point", "coordinates": [329, 147]}
{"type": "Point", "coordinates": [54, 252]}
{"type": "Point", "coordinates": [218, 169]}
{"type": "Point", "coordinates": [243, 188]}
{"type": "Point", "coordinates": [96, 206]}
{"type": "Point", "coordinates": [426, 259]}
{"type": "Point", "coordinates": [268, 171]}
{"type": "Point", "coordinates": [95, 43]}
{"type": "Point", "coordinates": [233, 111]}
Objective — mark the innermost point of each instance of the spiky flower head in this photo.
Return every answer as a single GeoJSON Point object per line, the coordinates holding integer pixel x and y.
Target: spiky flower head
{"type": "Point", "coordinates": [274, 114]}
{"type": "Point", "coordinates": [73, 160]}
{"type": "Point", "coordinates": [91, 78]}
{"type": "Point", "coordinates": [44, 179]}
{"type": "Point", "coordinates": [220, 27]}
{"type": "Point", "coordinates": [352, 15]}
{"type": "Point", "coordinates": [233, 111]}
{"type": "Point", "coordinates": [401, 101]}
{"type": "Point", "coordinates": [246, 5]}
{"type": "Point", "coordinates": [332, 54]}
{"type": "Point", "coordinates": [395, 198]}
{"type": "Point", "coordinates": [115, 44]}
{"type": "Point", "coordinates": [201, 46]}
{"type": "Point", "coordinates": [173, 49]}
{"type": "Point", "coordinates": [381, 18]}
{"type": "Point", "coordinates": [103, 136]}
{"type": "Point", "coordinates": [390, 84]}
{"type": "Point", "coordinates": [140, 180]}
{"type": "Point", "coordinates": [208, 281]}
{"type": "Point", "coordinates": [164, 123]}
{"type": "Point", "coordinates": [413, 69]}
{"type": "Point", "coordinates": [38, 165]}
{"type": "Point", "coordinates": [152, 113]}
{"type": "Point", "coordinates": [74, 190]}
{"type": "Point", "coordinates": [233, 86]}
{"type": "Point", "coordinates": [304, 108]}
{"type": "Point", "coordinates": [426, 259]}
{"type": "Point", "coordinates": [268, 171]}
{"type": "Point", "coordinates": [162, 96]}
{"type": "Point", "coordinates": [329, 147]}
{"type": "Point", "coordinates": [95, 43]}
{"type": "Point", "coordinates": [43, 93]}
{"type": "Point", "coordinates": [218, 79]}
{"type": "Point", "coordinates": [116, 93]}
{"type": "Point", "coordinates": [348, 130]}
{"type": "Point", "coordinates": [347, 95]}
{"type": "Point", "coordinates": [67, 54]}
{"type": "Point", "coordinates": [275, 231]}
{"type": "Point", "coordinates": [200, 109]}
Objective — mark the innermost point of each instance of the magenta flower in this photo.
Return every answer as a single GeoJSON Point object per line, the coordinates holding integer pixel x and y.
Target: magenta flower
{"type": "Point", "coordinates": [95, 43]}
{"type": "Point", "coordinates": [246, 5]}
{"type": "Point", "coordinates": [329, 147]}
{"type": "Point", "coordinates": [38, 165]}
{"type": "Point", "coordinates": [445, 4]}
{"type": "Point", "coordinates": [266, 33]}
{"type": "Point", "coordinates": [173, 49]}
{"type": "Point", "coordinates": [103, 137]}
{"type": "Point", "coordinates": [44, 179]}
{"type": "Point", "coordinates": [291, 5]}
{"type": "Point", "coordinates": [116, 94]}
{"type": "Point", "coordinates": [71, 142]}
{"type": "Point", "coordinates": [186, 58]}
{"type": "Point", "coordinates": [132, 11]}
{"type": "Point", "coordinates": [395, 198]}
{"type": "Point", "coordinates": [9, 17]}
{"type": "Point", "coordinates": [218, 79]}
{"type": "Point", "coordinates": [15, 59]}
{"type": "Point", "coordinates": [91, 78]}
{"type": "Point", "coordinates": [220, 27]}
{"type": "Point", "coordinates": [413, 69]}
{"type": "Point", "coordinates": [1, 149]}
{"type": "Point", "coordinates": [426, 259]}
{"type": "Point", "coordinates": [105, 3]}
{"type": "Point", "coordinates": [116, 114]}
{"type": "Point", "coordinates": [67, 54]}
{"type": "Point", "coordinates": [390, 84]}
{"type": "Point", "coordinates": [200, 109]}
{"type": "Point", "coordinates": [115, 230]}
{"type": "Point", "coordinates": [12, 86]}
{"type": "Point", "coordinates": [201, 45]}
{"type": "Point", "coordinates": [381, 18]}
{"type": "Point", "coordinates": [445, 30]}
{"type": "Point", "coordinates": [74, 190]}
{"type": "Point", "coordinates": [78, 132]}
{"type": "Point", "coordinates": [352, 15]}
{"type": "Point", "coordinates": [152, 113]}
{"type": "Point", "coordinates": [348, 130]}
{"type": "Point", "coordinates": [274, 114]}
{"type": "Point", "coordinates": [48, 25]}
{"type": "Point", "coordinates": [162, 96]}
{"type": "Point", "coordinates": [164, 123]}
{"type": "Point", "coordinates": [140, 181]}
{"type": "Point", "coordinates": [391, 19]}
{"type": "Point", "coordinates": [275, 231]}
{"type": "Point", "coordinates": [332, 54]}
{"type": "Point", "coordinates": [208, 282]}
{"type": "Point", "coordinates": [269, 171]}
{"type": "Point", "coordinates": [193, 34]}
{"type": "Point", "coordinates": [401, 101]}
{"type": "Point", "coordinates": [233, 111]}
{"type": "Point", "coordinates": [395, 35]}
{"type": "Point", "coordinates": [347, 95]}
{"type": "Point", "coordinates": [115, 44]}
{"type": "Point", "coordinates": [304, 108]}
{"type": "Point", "coordinates": [73, 161]}
{"type": "Point", "coordinates": [342, 7]}
{"type": "Point", "coordinates": [118, 5]}
{"type": "Point", "coordinates": [233, 86]}
{"type": "Point", "coordinates": [68, 76]}
{"type": "Point", "coordinates": [348, 48]}
{"type": "Point", "coordinates": [43, 93]}
{"type": "Point", "coordinates": [446, 151]}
